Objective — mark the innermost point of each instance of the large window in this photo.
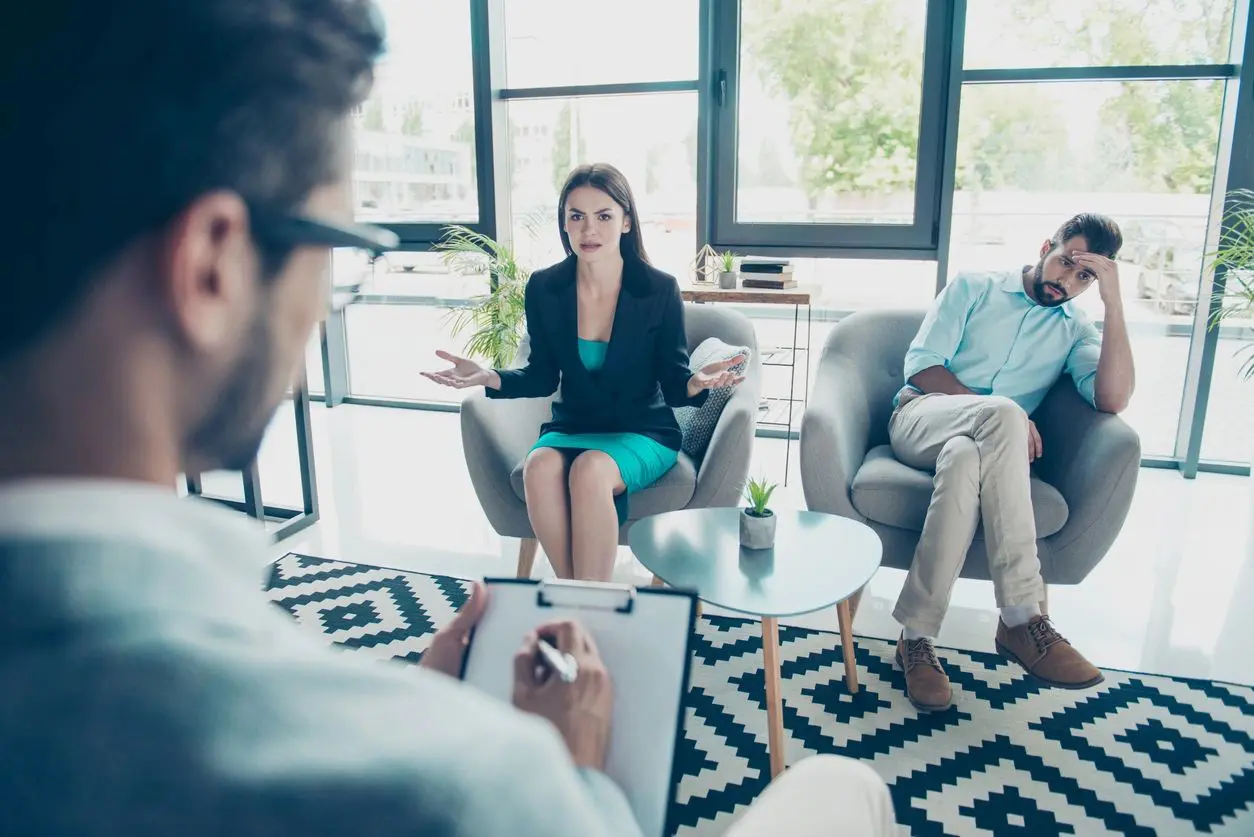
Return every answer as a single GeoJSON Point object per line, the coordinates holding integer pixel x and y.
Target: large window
{"type": "Point", "coordinates": [1032, 153]}
{"type": "Point", "coordinates": [865, 140]}
{"type": "Point", "coordinates": [555, 43]}
{"type": "Point", "coordinates": [651, 138]}
{"type": "Point", "coordinates": [829, 122]}
{"type": "Point", "coordinates": [1102, 33]}
{"type": "Point", "coordinates": [415, 136]}
{"type": "Point", "coordinates": [828, 111]}
{"type": "Point", "coordinates": [406, 314]}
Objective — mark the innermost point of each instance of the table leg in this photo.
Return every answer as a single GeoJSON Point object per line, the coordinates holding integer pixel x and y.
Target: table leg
{"type": "Point", "coordinates": [846, 643]}
{"type": "Point", "coordinates": [774, 700]}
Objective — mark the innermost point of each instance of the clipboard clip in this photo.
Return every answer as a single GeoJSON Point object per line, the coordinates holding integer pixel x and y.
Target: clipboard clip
{"type": "Point", "coordinates": [590, 595]}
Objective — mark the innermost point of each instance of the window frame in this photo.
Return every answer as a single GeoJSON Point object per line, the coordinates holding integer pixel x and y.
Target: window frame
{"type": "Point", "coordinates": [1231, 172]}
{"type": "Point", "coordinates": [918, 240]}
{"type": "Point", "coordinates": [424, 235]}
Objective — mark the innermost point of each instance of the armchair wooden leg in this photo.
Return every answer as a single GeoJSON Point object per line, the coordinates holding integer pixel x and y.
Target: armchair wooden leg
{"type": "Point", "coordinates": [527, 556]}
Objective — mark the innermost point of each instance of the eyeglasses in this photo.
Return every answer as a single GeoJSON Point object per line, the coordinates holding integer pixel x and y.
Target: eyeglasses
{"type": "Point", "coordinates": [287, 230]}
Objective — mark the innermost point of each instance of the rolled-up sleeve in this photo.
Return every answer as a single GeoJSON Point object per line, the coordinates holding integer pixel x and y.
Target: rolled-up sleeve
{"type": "Point", "coordinates": [941, 333]}
{"type": "Point", "coordinates": [1082, 361]}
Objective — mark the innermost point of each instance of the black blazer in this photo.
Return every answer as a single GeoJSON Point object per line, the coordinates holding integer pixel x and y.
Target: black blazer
{"type": "Point", "coordinates": [645, 373]}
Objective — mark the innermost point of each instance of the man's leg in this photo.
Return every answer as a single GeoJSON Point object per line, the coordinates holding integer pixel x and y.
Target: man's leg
{"type": "Point", "coordinates": [926, 434]}
{"type": "Point", "coordinates": [821, 796]}
{"type": "Point", "coordinates": [999, 429]}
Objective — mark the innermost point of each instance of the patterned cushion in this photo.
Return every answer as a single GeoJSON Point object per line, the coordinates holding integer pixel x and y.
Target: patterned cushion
{"type": "Point", "coordinates": [697, 423]}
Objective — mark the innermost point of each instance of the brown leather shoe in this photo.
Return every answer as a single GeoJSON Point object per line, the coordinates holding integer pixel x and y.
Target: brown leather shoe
{"type": "Point", "coordinates": [927, 685]}
{"type": "Point", "coordinates": [1039, 648]}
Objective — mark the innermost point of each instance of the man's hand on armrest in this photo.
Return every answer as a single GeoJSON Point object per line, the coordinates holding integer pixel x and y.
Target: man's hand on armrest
{"type": "Point", "coordinates": [938, 379]}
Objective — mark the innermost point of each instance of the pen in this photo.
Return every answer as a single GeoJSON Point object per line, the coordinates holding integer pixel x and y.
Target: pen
{"type": "Point", "coordinates": [564, 665]}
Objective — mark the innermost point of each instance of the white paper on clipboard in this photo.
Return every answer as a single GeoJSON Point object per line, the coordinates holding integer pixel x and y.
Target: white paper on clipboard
{"type": "Point", "coordinates": [643, 635]}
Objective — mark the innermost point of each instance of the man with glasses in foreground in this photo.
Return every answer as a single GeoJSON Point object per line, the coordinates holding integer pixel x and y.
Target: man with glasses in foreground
{"type": "Point", "coordinates": [178, 172]}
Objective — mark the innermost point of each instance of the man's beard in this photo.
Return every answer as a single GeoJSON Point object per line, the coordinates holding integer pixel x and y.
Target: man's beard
{"type": "Point", "coordinates": [230, 435]}
{"type": "Point", "coordinates": [1039, 285]}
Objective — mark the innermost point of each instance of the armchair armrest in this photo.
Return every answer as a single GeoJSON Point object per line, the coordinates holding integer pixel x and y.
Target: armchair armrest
{"type": "Point", "coordinates": [1093, 459]}
{"type": "Point", "coordinates": [496, 435]}
{"type": "Point", "coordinates": [722, 471]}
{"type": "Point", "coordinates": [835, 435]}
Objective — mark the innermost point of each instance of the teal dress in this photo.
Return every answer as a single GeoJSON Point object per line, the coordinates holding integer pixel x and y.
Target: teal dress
{"type": "Point", "coordinates": [641, 461]}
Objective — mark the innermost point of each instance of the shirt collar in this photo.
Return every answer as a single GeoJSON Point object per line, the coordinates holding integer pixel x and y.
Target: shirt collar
{"type": "Point", "coordinates": [1013, 284]}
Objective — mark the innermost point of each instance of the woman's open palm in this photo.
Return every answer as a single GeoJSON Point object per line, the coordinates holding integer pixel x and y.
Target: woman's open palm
{"type": "Point", "coordinates": [717, 375]}
{"type": "Point", "coordinates": [463, 373]}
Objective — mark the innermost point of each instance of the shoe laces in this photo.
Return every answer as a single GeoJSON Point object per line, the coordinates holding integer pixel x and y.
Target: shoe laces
{"type": "Point", "coordinates": [920, 652]}
{"type": "Point", "coordinates": [1044, 634]}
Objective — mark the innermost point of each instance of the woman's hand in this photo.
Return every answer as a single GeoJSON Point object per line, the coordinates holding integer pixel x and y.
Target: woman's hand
{"type": "Point", "coordinates": [463, 373]}
{"type": "Point", "coordinates": [715, 376]}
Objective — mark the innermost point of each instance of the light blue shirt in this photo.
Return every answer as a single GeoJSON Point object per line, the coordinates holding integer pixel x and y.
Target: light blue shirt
{"type": "Point", "coordinates": [987, 331]}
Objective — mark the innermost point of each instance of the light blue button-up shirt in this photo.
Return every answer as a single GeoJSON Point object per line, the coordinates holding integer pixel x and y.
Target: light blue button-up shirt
{"type": "Point", "coordinates": [987, 331]}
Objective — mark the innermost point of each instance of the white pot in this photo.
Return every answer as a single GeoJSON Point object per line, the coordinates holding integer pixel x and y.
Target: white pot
{"type": "Point", "coordinates": [757, 532]}
{"type": "Point", "coordinates": [727, 279]}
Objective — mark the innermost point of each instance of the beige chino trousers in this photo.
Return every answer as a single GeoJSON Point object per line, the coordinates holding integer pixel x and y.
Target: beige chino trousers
{"type": "Point", "coordinates": [978, 447]}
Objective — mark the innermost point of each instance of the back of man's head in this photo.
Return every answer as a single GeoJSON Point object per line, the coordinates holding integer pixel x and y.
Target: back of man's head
{"type": "Point", "coordinates": [119, 113]}
{"type": "Point", "coordinates": [1100, 232]}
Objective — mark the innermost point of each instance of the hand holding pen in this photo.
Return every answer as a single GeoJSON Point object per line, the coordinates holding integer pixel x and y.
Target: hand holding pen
{"type": "Point", "coordinates": [559, 675]}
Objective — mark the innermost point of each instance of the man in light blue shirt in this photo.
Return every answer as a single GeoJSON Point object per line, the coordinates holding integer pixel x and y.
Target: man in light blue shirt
{"type": "Point", "coordinates": [988, 351]}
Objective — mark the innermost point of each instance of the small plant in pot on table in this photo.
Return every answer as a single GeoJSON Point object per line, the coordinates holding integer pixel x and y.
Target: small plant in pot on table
{"type": "Point", "coordinates": [757, 521]}
{"type": "Point", "coordinates": [727, 277]}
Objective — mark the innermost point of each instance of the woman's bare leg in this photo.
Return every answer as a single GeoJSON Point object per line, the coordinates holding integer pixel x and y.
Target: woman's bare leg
{"type": "Point", "coordinates": [548, 506]}
{"type": "Point", "coordinates": [594, 481]}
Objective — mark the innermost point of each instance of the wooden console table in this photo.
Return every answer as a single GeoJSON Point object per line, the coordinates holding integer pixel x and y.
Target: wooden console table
{"type": "Point", "coordinates": [779, 412]}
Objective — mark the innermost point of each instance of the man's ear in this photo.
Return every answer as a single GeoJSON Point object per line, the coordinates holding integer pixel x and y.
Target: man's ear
{"type": "Point", "coordinates": [1046, 247]}
{"type": "Point", "coordinates": [207, 270]}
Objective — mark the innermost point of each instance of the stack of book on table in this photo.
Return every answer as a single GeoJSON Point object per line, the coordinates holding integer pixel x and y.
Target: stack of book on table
{"type": "Point", "coordinates": [775, 274]}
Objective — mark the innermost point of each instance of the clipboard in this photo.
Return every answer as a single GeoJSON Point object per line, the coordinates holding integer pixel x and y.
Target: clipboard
{"type": "Point", "coordinates": [644, 635]}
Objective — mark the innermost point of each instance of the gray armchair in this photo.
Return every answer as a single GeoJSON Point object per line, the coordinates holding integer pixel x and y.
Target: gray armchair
{"type": "Point", "coordinates": [1081, 488]}
{"type": "Point", "coordinates": [497, 434]}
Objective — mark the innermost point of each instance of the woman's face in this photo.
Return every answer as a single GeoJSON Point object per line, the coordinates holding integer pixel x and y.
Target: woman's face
{"type": "Point", "coordinates": [594, 222]}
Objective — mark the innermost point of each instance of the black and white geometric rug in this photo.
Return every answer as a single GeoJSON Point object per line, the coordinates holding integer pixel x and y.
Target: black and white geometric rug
{"type": "Point", "coordinates": [1137, 755]}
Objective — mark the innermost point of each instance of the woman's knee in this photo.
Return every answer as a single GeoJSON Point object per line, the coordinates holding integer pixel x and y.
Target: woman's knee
{"type": "Point", "coordinates": [593, 471]}
{"type": "Point", "coordinates": [545, 468]}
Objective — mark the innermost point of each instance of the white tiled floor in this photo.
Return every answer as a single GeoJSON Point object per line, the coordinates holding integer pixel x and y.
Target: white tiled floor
{"type": "Point", "coordinates": [1174, 596]}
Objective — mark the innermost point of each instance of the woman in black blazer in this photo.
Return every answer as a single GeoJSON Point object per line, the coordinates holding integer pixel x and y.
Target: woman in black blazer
{"type": "Point", "coordinates": [609, 327]}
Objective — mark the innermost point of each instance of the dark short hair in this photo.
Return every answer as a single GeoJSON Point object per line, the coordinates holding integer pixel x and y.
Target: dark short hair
{"type": "Point", "coordinates": [611, 181]}
{"type": "Point", "coordinates": [120, 113]}
{"type": "Point", "coordinates": [1100, 231]}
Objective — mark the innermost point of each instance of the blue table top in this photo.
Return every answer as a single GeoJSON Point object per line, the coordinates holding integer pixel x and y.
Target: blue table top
{"type": "Point", "coordinates": [818, 559]}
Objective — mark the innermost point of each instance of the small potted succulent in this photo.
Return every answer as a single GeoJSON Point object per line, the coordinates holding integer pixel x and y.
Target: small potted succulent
{"type": "Point", "coordinates": [727, 276]}
{"type": "Point", "coordinates": [757, 521]}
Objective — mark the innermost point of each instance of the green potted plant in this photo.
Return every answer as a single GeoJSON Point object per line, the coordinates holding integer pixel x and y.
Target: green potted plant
{"type": "Point", "coordinates": [496, 319]}
{"type": "Point", "coordinates": [1235, 256]}
{"type": "Point", "coordinates": [727, 276]}
{"type": "Point", "coordinates": [757, 521]}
